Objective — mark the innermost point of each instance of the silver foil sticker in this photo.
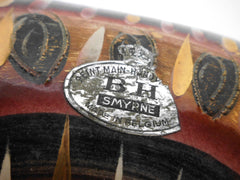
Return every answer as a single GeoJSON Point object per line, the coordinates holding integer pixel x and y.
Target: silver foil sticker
{"type": "Point", "coordinates": [124, 96]}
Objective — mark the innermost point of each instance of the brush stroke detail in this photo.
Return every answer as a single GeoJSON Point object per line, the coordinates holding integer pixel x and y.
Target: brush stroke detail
{"type": "Point", "coordinates": [4, 3]}
{"type": "Point", "coordinates": [92, 48]}
{"type": "Point", "coordinates": [215, 84]}
{"type": "Point", "coordinates": [40, 47]}
{"type": "Point", "coordinates": [5, 173]}
{"type": "Point", "coordinates": [6, 29]}
{"type": "Point", "coordinates": [230, 45]}
{"type": "Point", "coordinates": [119, 169]}
{"type": "Point", "coordinates": [63, 166]}
{"type": "Point", "coordinates": [182, 72]}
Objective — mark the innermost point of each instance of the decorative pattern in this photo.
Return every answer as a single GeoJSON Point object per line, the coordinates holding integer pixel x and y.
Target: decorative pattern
{"type": "Point", "coordinates": [215, 84]}
{"type": "Point", "coordinates": [230, 45]}
{"type": "Point", "coordinates": [92, 48]}
{"type": "Point", "coordinates": [182, 71]}
{"type": "Point", "coordinates": [63, 165]}
{"type": "Point", "coordinates": [40, 47]}
{"type": "Point", "coordinates": [127, 46]}
{"type": "Point", "coordinates": [6, 30]}
{"type": "Point", "coordinates": [131, 19]}
{"type": "Point", "coordinates": [96, 151]}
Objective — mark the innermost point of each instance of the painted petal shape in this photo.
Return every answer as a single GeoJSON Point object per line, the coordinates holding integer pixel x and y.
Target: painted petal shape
{"type": "Point", "coordinates": [4, 3]}
{"type": "Point", "coordinates": [180, 174]}
{"type": "Point", "coordinates": [63, 167]}
{"type": "Point", "coordinates": [230, 45]}
{"type": "Point", "coordinates": [182, 72]}
{"type": "Point", "coordinates": [6, 166]}
{"type": "Point", "coordinates": [92, 48]}
{"type": "Point", "coordinates": [6, 30]}
{"type": "Point", "coordinates": [119, 169]}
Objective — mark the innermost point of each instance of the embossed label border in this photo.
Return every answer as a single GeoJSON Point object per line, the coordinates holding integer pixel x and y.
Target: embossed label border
{"type": "Point", "coordinates": [87, 111]}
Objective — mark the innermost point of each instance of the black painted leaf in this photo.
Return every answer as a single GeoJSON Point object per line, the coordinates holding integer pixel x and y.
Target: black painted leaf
{"type": "Point", "coordinates": [128, 46]}
{"type": "Point", "coordinates": [215, 84]}
{"type": "Point", "coordinates": [40, 47]}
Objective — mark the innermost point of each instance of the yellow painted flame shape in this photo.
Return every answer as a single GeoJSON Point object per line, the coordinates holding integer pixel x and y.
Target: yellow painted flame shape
{"type": "Point", "coordinates": [183, 69]}
{"type": "Point", "coordinates": [63, 166]}
{"type": "Point", "coordinates": [6, 29]}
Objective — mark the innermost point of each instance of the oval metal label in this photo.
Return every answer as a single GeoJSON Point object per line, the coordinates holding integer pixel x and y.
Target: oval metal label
{"type": "Point", "coordinates": [123, 97]}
